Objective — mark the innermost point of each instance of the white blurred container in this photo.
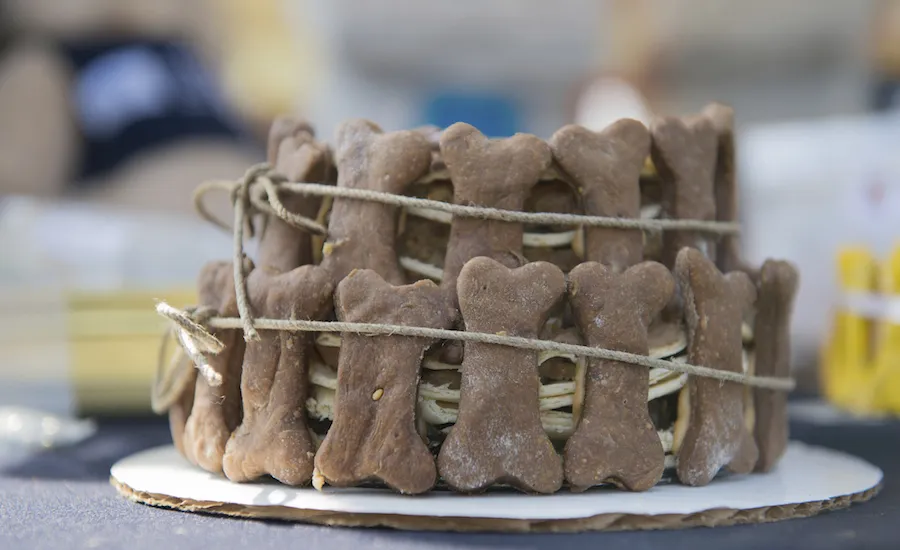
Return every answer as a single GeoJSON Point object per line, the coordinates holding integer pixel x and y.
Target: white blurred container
{"type": "Point", "coordinates": [77, 283]}
{"type": "Point", "coordinates": [808, 187]}
{"type": "Point", "coordinates": [387, 60]}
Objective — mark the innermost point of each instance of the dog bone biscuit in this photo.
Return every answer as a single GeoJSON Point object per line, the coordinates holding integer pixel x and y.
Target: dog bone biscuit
{"type": "Point", "coordinates": [491, 173]}
{"type": "Point", "coordinates": [607, 166]}
{"type": "Point", "coordinates": [216, 410]}
{"type": "Point", "coordinates": [181, 411]}
{"type": "Point", "coordinates": [777, 284]}
{"type": "Point", "coordinates": [716, 434]}
{"type": "Point", "coordinates": [374, 431]}
{"type": "Point", "coordinates": [498, 436]}
{"type": "Point", "coordinates": [728, 254]}
{"type": "Point", "coordinates": [684, 153]}
{"type": "Point", "coordinates": [615, 440]}
{"type": "Point", "coordinates": [273, 437]}
{"type": "Point", "coordinates": [362, 234]}
{"type": "Point", "coordinates": [295, 155]}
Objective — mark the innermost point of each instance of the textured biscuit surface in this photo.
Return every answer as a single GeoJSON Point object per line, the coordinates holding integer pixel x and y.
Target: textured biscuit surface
{"type": "Point", "coordinates": [615, 440]}
{"type": "Point", "coordinates": [498, 437]}
{"type": "Point", "coordinates": [216, 410]}
{"type": "Point", "coordinates": [606, 166]}
{"type": "Point", "coordinates": [777, 283]}
{"type": "Point", "coordinates": [714, 306]}
{"type": "Point", "coordinates": [684, 153]}
{"type": "Point", "coordinates": [493, 173]}
{"type": "Point", "coordinates": [362, 234]}
{"type": "Point", "coordinates": [374, 431]}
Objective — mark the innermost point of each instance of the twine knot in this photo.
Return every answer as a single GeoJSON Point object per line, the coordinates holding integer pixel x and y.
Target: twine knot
{"type": "Point", "coordinates": [189, 328]}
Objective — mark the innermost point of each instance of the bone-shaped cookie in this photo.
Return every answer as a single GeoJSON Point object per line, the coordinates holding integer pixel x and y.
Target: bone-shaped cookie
{"type": "Point", "coordinates": [362, 234]}
{"type": "Point", "coordinates": [777, 283]}
{"type": "Point", "coordinates": [615, 440]}
{"type": "Point", "coordinates": [216, 410]}
{"type": "Point", "coordinates": [684, 153]}
{"type": "Point", "coordinates": [181, 411]}
{"type": "Point", "coordinates": [714, 306]}
{"type": "Point", "coordinates": [294, 154]}
{"type": "Point", "coordinates": [606, 166]}
{"type": "Point", "coordinates": [728, 255]}
{"type": "Point", "coordinates": [498, 436]}
{"type": "Point", "coordinates": [492, 173]}
{"type": "Point", "coordinates": [374, 431]}
{"type": "Point", "coordinates": [273, 439]}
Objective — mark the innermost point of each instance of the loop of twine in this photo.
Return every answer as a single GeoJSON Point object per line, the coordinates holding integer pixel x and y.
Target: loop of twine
{"type": "Point", "coordinates": [273, 184]}
{"type": "Point", "coordinates": [169, 383]}
{"type": "Point", "coordinates": [766, 382]}
{"type": "Point", "coordinates": [296, 220]}
{"type": "Point", "coordinates": [487, 213]}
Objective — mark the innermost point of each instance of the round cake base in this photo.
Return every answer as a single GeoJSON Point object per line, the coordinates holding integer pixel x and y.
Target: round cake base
{"type": "Point", "coordinates": [808, 480]}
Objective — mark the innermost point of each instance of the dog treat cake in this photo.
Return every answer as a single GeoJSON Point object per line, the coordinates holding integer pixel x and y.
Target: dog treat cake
{"type": "Point", "coordinates": [434, 309]}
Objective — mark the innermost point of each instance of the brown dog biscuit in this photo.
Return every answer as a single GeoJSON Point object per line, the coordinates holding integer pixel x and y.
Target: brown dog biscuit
{"type": "Point", "coordinates": [607, 166]}
{"type": "Point", "coordinates": [498, 437]}
{"type": "Point", "coordinates": [777, 285]}
{"type": "Point", "coordinates": [273, 438]}
{"type": "Point", "coordinates": [216, 410]}
{"type": "Point", "coordinates": [284, 127]}
{"type": "Point", "coordinates": [684, 153]}
{"type": "Point", "coordinates": [362, 234]}
{"type": "Point", "coordinates": [181, 411]}
{"type": "Point", "coordinates": [728, 254]}
{"type": "Point", "coordinates": [615, 440]}
{"type": "Point", "coordinates": [295, 155]}
{"type": "Point", "coordinates": [492, 173]}
{"type": "Point", "coordinates": [374, 431]}
{"type": "Point", "coordinates": [714, 306]}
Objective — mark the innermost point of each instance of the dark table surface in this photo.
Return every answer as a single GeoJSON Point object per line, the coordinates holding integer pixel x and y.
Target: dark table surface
{"type": "Point", "coordinates": [62, 499]}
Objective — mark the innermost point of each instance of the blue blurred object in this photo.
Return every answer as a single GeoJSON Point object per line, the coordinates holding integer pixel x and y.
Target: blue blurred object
{"type": "Point", "coordinates": [494, 115]}
{"type": "Point", "coordinates": [886, 94]}
{"type": "Point", "coordinates": [133, 96]}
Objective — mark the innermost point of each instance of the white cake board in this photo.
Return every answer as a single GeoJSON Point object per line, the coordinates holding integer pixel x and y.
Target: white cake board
{"type": "Point", "coordinates": [807, 481]}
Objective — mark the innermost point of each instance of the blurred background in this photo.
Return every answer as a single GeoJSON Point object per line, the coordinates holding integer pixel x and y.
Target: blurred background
{"type": "Point", "coordinates": [112, 111]}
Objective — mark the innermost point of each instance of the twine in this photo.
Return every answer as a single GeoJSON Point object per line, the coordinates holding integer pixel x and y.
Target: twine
{"type": "Point", "coordinates": [196, 340]}
{"type": "Point", "coordinates": [168, 384]}
{"type": "Point", "coordinates": [466, 211]}
{"type": "Point", "coordinates": [538, 218]}
{"type": "Point", "coordinates": [300, 222]}
{"type": "Point", "coordinates": [371, 329]}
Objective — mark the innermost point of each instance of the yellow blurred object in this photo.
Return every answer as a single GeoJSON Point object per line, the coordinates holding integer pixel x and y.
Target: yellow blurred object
{"type": "Point", "coordinates": [113, 344]}
{"type": "Point", "coordinates": [885, 37]}
{"type": "Point", "coordinates": [861, 361]}
{"type": "Point", "coordinates": [649, 170]}
{"type": "Point", "coordinates": [268, 57]}
{"type": "Point", "coordinates": [887, 358]}
{"type": "Point", "coordinates": [849, 358]}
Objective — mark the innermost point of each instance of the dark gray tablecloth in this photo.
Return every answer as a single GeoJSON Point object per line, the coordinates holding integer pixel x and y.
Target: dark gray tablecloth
{"type": "Point", "coordinates": [62, 499]}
